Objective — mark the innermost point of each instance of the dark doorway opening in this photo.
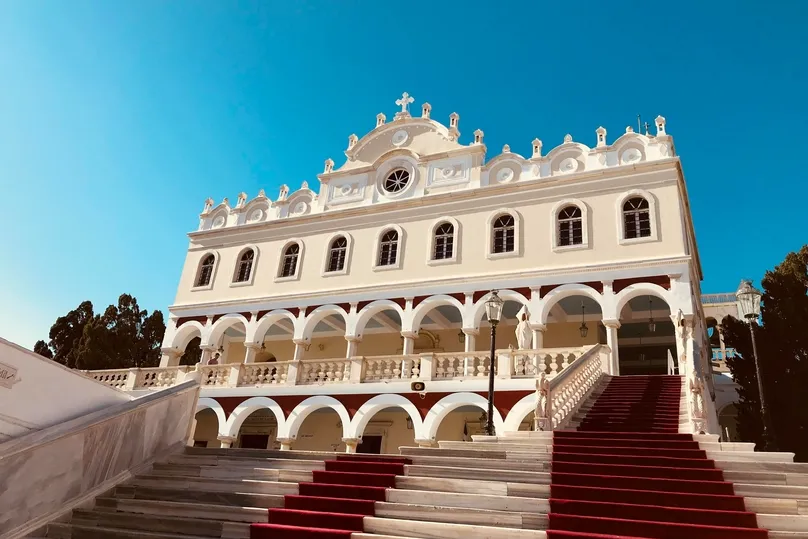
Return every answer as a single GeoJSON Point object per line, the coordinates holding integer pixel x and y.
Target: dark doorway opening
{"type": "Point", "coordinates": [370, 445]}
{"type": "Point", "coordinates": [254, 441]}
{"type": "Point", "coordinates": [645, 359]}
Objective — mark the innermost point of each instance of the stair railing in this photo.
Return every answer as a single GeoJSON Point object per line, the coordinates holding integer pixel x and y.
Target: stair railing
{"type": "Point", "coordinates": [558, 399]}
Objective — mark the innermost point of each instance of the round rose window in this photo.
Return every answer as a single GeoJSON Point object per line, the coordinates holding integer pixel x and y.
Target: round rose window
{"type": "Point", "coordinates": [397, 181]}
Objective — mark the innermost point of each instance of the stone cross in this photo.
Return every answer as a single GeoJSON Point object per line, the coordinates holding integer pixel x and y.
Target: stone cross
{"type": "Point", "coordinates": [404, 102]}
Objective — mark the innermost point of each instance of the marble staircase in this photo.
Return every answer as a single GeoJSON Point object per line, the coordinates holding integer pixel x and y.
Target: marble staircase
{"type": "Point", "coordinates": [492, 487]}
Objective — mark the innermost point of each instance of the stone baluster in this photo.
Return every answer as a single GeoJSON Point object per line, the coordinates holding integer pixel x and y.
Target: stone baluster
{"type": "Point", "coordinates": [553, 363]}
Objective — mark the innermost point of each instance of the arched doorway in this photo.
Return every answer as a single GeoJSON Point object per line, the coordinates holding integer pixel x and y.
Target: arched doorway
{"type": "Point", "coordinates": [386, 431]}
{"type": "Point", "coordinates": [258, 431]}
{"type": "Point", "coordinates": [646, 336]}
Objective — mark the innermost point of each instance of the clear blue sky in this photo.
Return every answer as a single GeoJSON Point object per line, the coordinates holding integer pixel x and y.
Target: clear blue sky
{"type": "Point", "coordinates": [117, 119]}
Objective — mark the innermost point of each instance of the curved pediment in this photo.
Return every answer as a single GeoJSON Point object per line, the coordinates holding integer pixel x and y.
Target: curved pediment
{"type": "Point", "coordinates": [415, 136]}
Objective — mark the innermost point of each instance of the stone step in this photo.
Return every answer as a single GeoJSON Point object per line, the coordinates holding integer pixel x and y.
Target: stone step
{"type": "Point", "coordinates": [198, 527]}
{"type": "Point", "coordinates": [752, 466]}
{"type": "Point", "coordinates": [220, 485]}
{"type": "Point", "coordinates": [273, 463]}
{"type": "Point", "coordinates": [775, 506]}
{"type": "Point", "coordinates": [430, 507]}
{"type": "Point", "coordinates": [157, 508]}
{"type": "Point", "coordinates": [232, 472]}
{"type": "Point", "coordinates": [241, 499]}
{"type": "Point", "coordinates": [771, 491]}
{"type": "Point", "coordinates": [439, 530]}
{"type": "Point", "coordinates": [461, 515]}
{"type": "Point", "coordinates": [474, 451]}
{"type": "Point", "coordinates": [497, 488]}
{"type": "Point", "coordinates": [71, 531]}
{"type": "Point", "coordinates": [471, 501]}
{"type": "Point", "coordinates": [783, 523]}
{"type": "Point", "coordinates": [767, 478]}
{"type": "Point", "coordinates": [479, 474]}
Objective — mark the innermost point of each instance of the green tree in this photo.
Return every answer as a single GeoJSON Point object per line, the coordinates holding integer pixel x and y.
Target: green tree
{"type": "Point", "coordinates": [782, 344]}
{"type": "Point", "coordinates": [193, 353]}
{"type": "Point", "coordinates": [123, 336]}
{"type": "Point", "coordinates": [66, 333]}
{"type": "Point", "coordinates": [42, 348]}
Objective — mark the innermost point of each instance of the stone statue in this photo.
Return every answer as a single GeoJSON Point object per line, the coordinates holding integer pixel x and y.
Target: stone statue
{"type": "Point", "coordinates": [524, 335]}
{"type": "Point", "coordinates": [696, 389]}
{"type": "Point", "coordinates": [541, 416]}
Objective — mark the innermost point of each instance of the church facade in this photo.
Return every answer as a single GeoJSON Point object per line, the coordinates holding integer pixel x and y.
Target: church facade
{"type": "Point", "coordinates": [317, 310]}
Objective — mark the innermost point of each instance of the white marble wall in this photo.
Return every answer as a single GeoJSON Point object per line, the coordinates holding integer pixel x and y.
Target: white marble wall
{"type": "Point", "coordinates": [43, 472]}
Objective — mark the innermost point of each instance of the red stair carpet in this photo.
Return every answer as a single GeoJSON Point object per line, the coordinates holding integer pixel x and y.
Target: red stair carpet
{"type": "Point", "coordinates": [627, 473]}
{"type": "Point", "coordinates": [335, 503]}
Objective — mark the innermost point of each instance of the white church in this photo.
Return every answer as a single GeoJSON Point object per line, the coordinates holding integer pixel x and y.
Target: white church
{"type": "Point", "coordinates": [318, 309]}
{"type": "Point", "coordinates": [429, 344]}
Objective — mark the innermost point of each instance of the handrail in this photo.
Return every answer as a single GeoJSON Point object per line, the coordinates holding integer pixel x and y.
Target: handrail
{"type": "Point", "coordinates": [559, 398]}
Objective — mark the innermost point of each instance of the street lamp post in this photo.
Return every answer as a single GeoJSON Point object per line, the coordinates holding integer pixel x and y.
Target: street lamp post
{"type": "Point", "coordinates": [749, 299]}
{"type": "Point", "coordinates": [493, 310]}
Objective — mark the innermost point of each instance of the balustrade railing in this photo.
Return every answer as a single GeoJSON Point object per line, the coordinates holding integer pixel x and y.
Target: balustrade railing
{"type": "Point", "coordinates": [460, 365]}
{"type": "Point", "coordinates": [157, 377]}
{"type": "Point", "coordinates": [550, 361]}
{"type": "Point", "coordinates": [567, 391]}
{"type": "Point", "coordinates": [326, 371]}
{"type": "Point", "coordinates": [259, 374]}
{"type": "Point", "coordinates": [111, 377]}
{"type": "Point", "coordinates": [359, 369]}
{"type": "Point", "coordinates": [215, 375]}
{"type": "Point", "coordinates": [386, 368]}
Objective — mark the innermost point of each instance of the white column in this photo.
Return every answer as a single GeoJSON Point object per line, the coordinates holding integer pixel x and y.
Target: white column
{"type": "Point", "coordinates": [170, 357]}
{"type": "Point", "coordinates": [353, 345]}
{"type": "Point", "coordinates": [351, 443]}
{"type": "Point", "coordinates": [226, 441]}
{"type": "Point", "coordinates": [409, 342]}
{"type": "Point", "coordinates": [286, 443]}
{"type": "Point", "coordinates": [471, 339]}
{"type": "Point", "coordinates": [611, 340]}
{"type": "Point", "coordinates": [252, 351]}
{"type": "Point", "coordinates": [538, 335]}
{"type": "Point", "coordinates": [300, 348]}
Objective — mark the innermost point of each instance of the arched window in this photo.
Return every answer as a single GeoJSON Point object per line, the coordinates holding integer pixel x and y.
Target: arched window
{"type": "Point", "coordinates": [388, 248]}
{"type": "Point", "coordinates": [206, 271]}
{"type": "Point", "coordinates": [337, 253]}
{"type": "Point", "coordinates": [245, 265]}
{"type": "Point", "coordinates": [290, 256]}
{"type": "Point", "coordinates": [570, 226]}
{"type": "Point", "coordinates": [636, 218]}
{"type": "Point", "coordinates": [444, 242]}
{"type": "Point", "coordinates": [504, 234]}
